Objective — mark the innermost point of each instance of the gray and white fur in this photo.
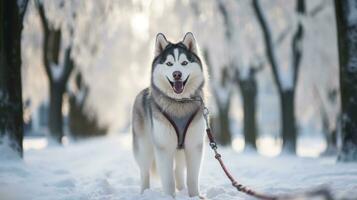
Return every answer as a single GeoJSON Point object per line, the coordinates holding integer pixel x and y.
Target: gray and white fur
{"type": "Point", "coordinates": [177, 73]}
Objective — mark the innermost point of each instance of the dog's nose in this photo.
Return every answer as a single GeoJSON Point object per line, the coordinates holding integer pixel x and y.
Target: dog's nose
{"type": "Point", "coordinates": [177, 75]}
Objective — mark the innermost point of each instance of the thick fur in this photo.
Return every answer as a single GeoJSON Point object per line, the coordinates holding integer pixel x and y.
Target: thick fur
{"type": "Point", "coordinates": [154, 138]}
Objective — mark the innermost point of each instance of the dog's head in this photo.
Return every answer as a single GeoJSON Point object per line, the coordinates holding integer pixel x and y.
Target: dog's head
{"type": "Point", "coordinates": [177, 69]}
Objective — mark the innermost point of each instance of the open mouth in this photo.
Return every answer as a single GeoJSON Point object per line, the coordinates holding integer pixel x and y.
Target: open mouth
{"type": "Point", "coordinates": [178, 86]}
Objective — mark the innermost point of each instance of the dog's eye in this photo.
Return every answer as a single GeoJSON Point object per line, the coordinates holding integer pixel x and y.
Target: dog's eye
{"type": "Point", "coordinates": [169, 64]}
{"type": "Point", "coordinates": [184, 63]}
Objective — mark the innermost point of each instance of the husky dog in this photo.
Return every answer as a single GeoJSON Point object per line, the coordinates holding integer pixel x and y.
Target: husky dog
{"type": "Point", "coordinates": [167, 127]}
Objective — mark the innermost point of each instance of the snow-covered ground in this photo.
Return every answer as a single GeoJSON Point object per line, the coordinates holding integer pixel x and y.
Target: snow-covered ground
{"type": "Point", "coordinates": [105, 169]}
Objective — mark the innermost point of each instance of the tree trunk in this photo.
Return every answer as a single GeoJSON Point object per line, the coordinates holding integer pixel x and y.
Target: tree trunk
{"type": "Point", "coordinates": [11, 113]}
{"type": "Point", "coordinates": [248, 90]}
{"type": "Point", "coordinates": [51, 50]}
{"type": "Point", "coordinates": [347, 45]}
{"type": "Point", "coordinates": [55, 112]}
{"type": "Point", "coordinates": [288, 121]}
{"type": "Point", "coordinates": [224, 134]}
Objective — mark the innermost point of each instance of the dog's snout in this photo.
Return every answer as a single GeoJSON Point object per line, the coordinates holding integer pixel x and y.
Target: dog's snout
{"type": "Point", "coordinates": [177, 75]}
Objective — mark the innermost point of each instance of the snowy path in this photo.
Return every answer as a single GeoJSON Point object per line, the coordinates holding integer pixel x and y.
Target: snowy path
{"type": "Point", "coordinates": [105, 169]}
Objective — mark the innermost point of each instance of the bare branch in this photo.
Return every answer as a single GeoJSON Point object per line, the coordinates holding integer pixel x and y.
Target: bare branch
{"type": "Point", "coordinates": [226, 20]}
{"type": "Point", "coordinates": [41, 12]}
{"type": "Point", "coordinates": [320, 7]}
{"type": "Point", "coordinates": [297, 42]}
{"type": "Point", "coordinates": [51, 42]}
{"type": "Point", "coordinates": [46, 31]}
{"type": "Point", "coordinates": [269, 46]}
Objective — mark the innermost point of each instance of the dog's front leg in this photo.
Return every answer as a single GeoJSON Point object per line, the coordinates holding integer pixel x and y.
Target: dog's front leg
{"type": "Point", "coordinates": [164, 161]}
{"type": "Point", "coordinates": [193, 160]}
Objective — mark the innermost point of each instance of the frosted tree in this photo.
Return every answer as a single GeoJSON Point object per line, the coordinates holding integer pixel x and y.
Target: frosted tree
{"type": "Point", "coordinates": [287, 88]}
{"type": "Point", "coordinates": [11, 113]}
{"type": "Point", "coordinates": [57, 72]}
{"type": "Point", "coordinates": [244, 74]}
{"type": "Point", "coordinates": [346, 14]}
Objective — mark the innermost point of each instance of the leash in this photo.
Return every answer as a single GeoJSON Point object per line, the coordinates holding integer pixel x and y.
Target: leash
{"type": "Point", "coordinates": [235, 183]}
{"type": "Point", "coordinates": [213, 145]}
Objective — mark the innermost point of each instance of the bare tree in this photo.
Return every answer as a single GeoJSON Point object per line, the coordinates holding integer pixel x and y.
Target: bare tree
{"type": "Point", "coordinates": [286, 94]}
{"type": "Point", "coordinates": [11, 111]}
{"type": "Point", "coordinates": [57, 75]}
{"type": "Point", "coordinates": [249, 91]}
{"type": "Point", "coordinates": [247, 85]}
{"type": "Point", "coordinates": [346, 12]}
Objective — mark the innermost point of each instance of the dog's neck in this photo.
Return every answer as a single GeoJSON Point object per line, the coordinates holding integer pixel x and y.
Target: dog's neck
{"type": "Point", "coordinates": [175, 107]}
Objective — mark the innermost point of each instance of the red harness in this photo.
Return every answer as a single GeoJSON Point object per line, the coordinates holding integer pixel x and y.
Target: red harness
{"type": "Point", "coordinates": [180, 141]}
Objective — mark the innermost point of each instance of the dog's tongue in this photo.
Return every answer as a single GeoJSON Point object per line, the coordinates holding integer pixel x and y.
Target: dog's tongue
{"type": "Point", "coordinates": [178, 87]}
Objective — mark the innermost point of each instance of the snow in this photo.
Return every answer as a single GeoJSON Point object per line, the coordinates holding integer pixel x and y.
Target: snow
{"type": "Point", "coordinates": [105, 169]}
{"type": "Point", "coordinates": [7, 153]}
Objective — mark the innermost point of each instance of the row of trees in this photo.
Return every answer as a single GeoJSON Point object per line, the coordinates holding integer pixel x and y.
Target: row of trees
{"type": "Point", "coordinates": [248, 83]}
{"type": "Point", "coordinates": [286, 89]}
{"type": "Point", "coordinates": [59, 72]}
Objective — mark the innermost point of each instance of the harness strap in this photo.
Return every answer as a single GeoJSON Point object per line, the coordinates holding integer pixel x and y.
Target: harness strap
{"type": "Point", "coordinates": [180, 144]}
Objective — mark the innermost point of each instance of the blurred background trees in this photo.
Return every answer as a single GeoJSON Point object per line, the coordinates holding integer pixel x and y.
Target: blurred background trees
{"type": "Point", "coordinates": [272, 67]}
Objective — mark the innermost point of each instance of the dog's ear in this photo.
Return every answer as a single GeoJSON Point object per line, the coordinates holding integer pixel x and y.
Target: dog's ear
{"type": "Point", "coordinates": [160, 43]}
{"type": "Point", "coordinates": [190, 42]}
